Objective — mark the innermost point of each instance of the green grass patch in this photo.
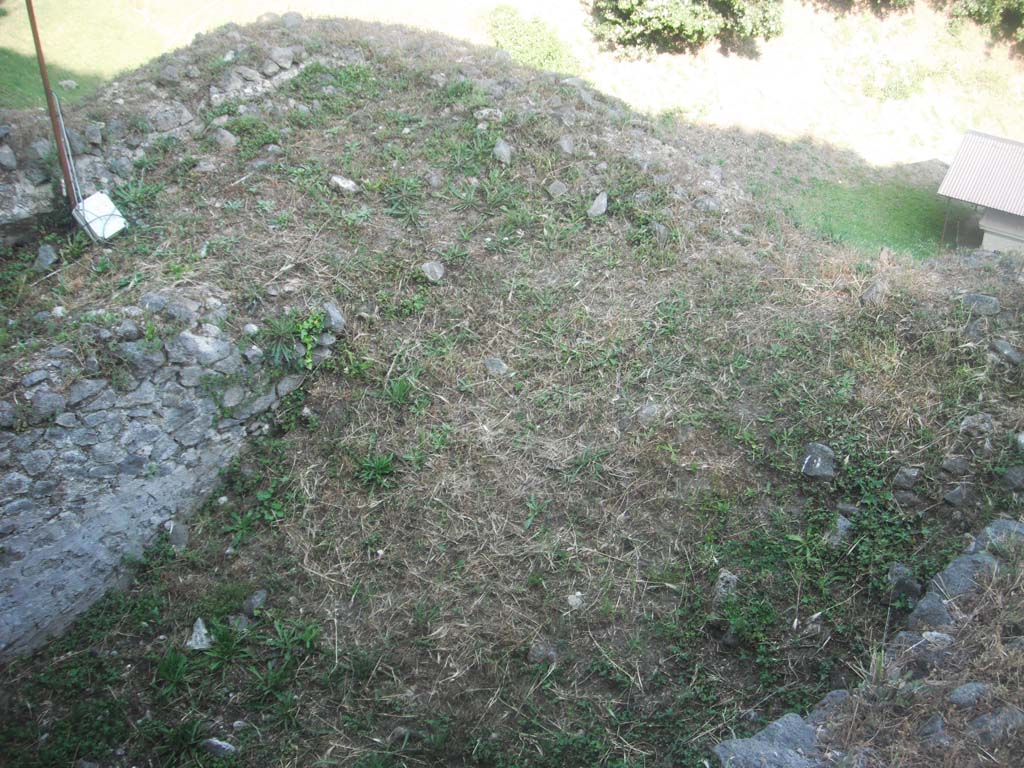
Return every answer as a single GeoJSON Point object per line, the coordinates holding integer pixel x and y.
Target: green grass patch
{"type": "Point", "coordinates": [529, 41]}
{"type": "Point", "coordinates": [876, 215]}
{"type": "Point", "coordinates": [22, 88]}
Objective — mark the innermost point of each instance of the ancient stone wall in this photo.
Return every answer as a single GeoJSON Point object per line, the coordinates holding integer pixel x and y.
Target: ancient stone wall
{"type": "Point", "coordinates": [104, 441]}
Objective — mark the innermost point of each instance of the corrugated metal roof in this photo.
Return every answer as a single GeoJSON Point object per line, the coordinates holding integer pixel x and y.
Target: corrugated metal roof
{"type": "Point", "coordinates": [989, 171]}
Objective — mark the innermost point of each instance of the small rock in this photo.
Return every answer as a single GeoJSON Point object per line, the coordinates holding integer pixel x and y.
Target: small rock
{"type": "Point", "coordinates": [503, 152]}
{"type": "Point", "coordinates": [225, 140]}
{"type": "Point", "coordinates": [958, 496]}
{"type": "Point", "coordinates": [998, 727]}
{"type": "Point", "coordinates": [254, 603]}
{"type": "Point", "coordinates": [1013, 478]}
{"type": "Point", "coordinates": [269, 68]}
{"type": "Point", "coordinates": [326, 340]}
{"type": "Point", "coordinates": [178, 538]}
{"type": "Point", "coordinates": [964, 574]}
{"type": "Point", "coordinates": [557, 189]}
{"type": "Point", "coordinates": [938, 639]}
{"type": "Point", "coordinates": [334, 319]}
{"type": "Point", "coordinates": [933, 731]}
{"type": "Point", "coordinates": [250, 329]}
{"type": "Point", "coordinates": [1002, 536]}
{"type": "Point", "coordinates": [542, 652]}
{"type": "Point", "coordinates": [94, 134]}
{"type": "Point", "coordinates": [818, 461]}
{"type": "Point", "coordinates": [599, 206]}
{"type": "Point", "coordinates": [68, 85]}
{"type": "Point", "coordinates": [238, 622]}
{"type": "Point", "coordinates": [903, 584]}
{"type": "Point", "coordinates": [980, 304]}
{"type": "Point", "coordinates": [45, 258]}
{"type": "Point", "coordinates": [958, 466]}
{"type": "Point", "coordinates": [725, 587]}
{"type": "Point", "coordinates": [968, 695]}
{"type": "Point", "coordinates": [8, 161]}
{"type": "Point", "coordinates": [907, 499]}
{"type": "Point", "coordinates": [1007, 352]}
{"type": "Point", "coordinates": [875, 294]}
{"type": "Point", "coordinates": [930, 611]}
{"type": "Point", "coordinates": [127, 330]}
{"type": "Point", "coordinates": [291, 20]}
{"type": "Point", "coordinates": [575, 601]}
{"type": "Point", "coordinates": [217, 748]}
{"type": "Point", "coordinates": [495, 366]}
{"type": "Point", "coordinates": [977, 425]}
{"type": "Point", "coordinates": [566, 144]}
{"type": "Point", "coordinates": [907, 477]}
{"type": "Point", "coordinates": [283, 57]}
{"type": "Point", "coordinates": [343, 185]}
{"type": "Point", "coordinates": [488, 114]}
{"type": "Point", "coordinates": [36, 377]}
{"type": "Point", "coordinates": [200, 640]}
{"type": "Point", "coordinates": [840, 531]}
{"type": "Point", "coordinates": [707, 203]}
{"type": "Point", "coordinates": [169, 76]}
{"type": "Point", "coordinates": [46, 405]}
{"type": "Point", "coordinates": [433, 270]}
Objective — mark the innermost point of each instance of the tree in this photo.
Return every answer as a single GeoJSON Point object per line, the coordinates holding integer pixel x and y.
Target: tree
{"type": "Point", "coordinates": [681, 24]}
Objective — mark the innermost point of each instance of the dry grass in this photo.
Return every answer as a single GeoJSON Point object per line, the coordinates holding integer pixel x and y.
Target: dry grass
{"type": "Point", "coordinates": [887, 719]}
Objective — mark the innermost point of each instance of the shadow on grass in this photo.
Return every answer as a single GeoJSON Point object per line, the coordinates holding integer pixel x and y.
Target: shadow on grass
{"type": "Point", "coordinates": [22, 88]}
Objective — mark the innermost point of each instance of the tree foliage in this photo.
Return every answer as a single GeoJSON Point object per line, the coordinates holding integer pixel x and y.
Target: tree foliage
{"type": "Point", "coordinates": [681, 24]}
{"type": "Point", "coordinates": [1004, 17]}
{"type": "Point", "coordinates": [674, 25]}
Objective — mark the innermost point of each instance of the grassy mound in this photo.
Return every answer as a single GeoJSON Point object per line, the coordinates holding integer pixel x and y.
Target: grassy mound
{"type": "Point", "coordinates": [477, 566]}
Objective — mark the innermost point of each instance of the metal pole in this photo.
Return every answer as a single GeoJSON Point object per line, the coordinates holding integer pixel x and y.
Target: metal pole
{"type": "Point", "coordinates": [51, 105]}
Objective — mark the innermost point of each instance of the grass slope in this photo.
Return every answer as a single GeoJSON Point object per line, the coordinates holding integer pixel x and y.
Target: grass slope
{"type": "Point", "coordinates": [515, 570]}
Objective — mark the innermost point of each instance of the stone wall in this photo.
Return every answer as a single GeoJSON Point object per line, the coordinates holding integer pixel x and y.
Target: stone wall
{"type": "Point", "coordinates": [104, 441]}
{"type": "Point", "coordinates": [926, 647]}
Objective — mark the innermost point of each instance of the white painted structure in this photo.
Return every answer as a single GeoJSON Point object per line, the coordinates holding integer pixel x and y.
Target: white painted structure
{"type": "Point", "coordinates": [988, 171]}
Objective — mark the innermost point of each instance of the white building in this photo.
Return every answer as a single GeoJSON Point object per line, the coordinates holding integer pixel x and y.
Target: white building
{"type": "Point", "coordinates": [988, 171]}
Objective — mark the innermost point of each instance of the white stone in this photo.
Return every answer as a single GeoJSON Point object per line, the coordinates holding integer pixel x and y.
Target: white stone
{"type": "Point", "coordinates": [599, 206]}
{"type": "Point", "coordinates": [200, 640]}
{"type": "Point", "coordinates": [434, 271]}
{"type": "Point", "coordinates": [346, 186]}
{"type": "Point", "coordinates": [575, 601]}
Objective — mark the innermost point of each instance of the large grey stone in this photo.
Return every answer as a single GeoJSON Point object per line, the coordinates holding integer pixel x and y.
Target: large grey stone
{"type": "Point", "coordinates": [45, 258]}
{"type": "Point", "coordinates": [968, 695]}
{"type": "Point", "coordinates": [903, 584]}
{"type": "Point", "coordinates": [189, 347]}
{"type": "Point", "coordinates": [1002, 536]}
{"type": "Point", "coordinates": [964, 574]}
{"type": "Point", "coordinates": [141, 356]}
{"type": "Point", "coordinates": [599, 206]}
{"type": "Point", "coordinates": [997, 727]}
{"type": "Point", "coordinates": [930, 612]}
{"type": "Point", "coordinates": [980, 304]}
{"type": "Point", "coordinates": [46, 404]}
{"type": "Point", "coordinates": [334, 318]}
{"type": "Point", "coordinates": [907, 477]}
{"type": "Point", "coordinates": [83, 389]}
{"type": "Point", "coordinates": [8, 161]}
{"type": "Point", "coordinates": [818, 461]}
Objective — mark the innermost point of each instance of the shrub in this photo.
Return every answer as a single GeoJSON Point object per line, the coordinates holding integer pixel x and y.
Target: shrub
{"type": "Point", "coordinates": [1004, 17]}
{"type": "Point", "coordinates": [529, 41]}
{"type": "Point", "coordinates": [681, 24]}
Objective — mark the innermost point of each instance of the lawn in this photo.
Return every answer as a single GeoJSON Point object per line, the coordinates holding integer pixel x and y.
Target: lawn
{"type": "Point", "coordinates": [873, 215]}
